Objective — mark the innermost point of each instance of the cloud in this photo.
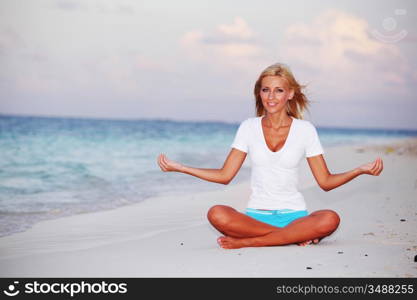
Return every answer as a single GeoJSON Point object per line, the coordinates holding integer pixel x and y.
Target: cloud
{"type": "Point", "coordinates": [29, 83]}
{"type": "Point", "coordinates": [70, 5]}
{"type": "Point", "coordinates": [239, 29]}
{"type": "Point", "coordinates": [337, 47]}
{"type": "Point", "coordinates": [336, 51]}
{"type": "Point", "coordinates": [101, 6]}
{"type": "Point", "coordinates": [119, 8]}
{"type": "Point", "coordinates": [123, 73]}
{"type": "Point", "coordinates": [10, 40]}
{"type": "Point", "coordinates": [228, 45]}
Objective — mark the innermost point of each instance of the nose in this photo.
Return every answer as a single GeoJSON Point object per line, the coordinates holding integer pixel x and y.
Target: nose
{"type": "Point", "coordinates": [271, 95]}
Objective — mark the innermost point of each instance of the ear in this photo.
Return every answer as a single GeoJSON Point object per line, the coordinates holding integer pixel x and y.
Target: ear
{"type": "Point", "coordinates": [292, 92]}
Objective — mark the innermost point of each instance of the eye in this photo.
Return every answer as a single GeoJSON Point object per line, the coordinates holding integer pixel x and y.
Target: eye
{"type": "Point", "coordinates": [280, 90]}
{"type": "Point", "coordinates": [264, 90]}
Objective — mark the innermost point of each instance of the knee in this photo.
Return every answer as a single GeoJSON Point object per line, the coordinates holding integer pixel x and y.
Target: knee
{"type": "Point", "coordinates": [218, 215]}
{"type": "Point", "coordinates": [329, 221]}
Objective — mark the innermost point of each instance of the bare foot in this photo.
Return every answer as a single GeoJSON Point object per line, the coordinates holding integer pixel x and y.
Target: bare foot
{"type": "Point", "coordinates": [315, 241]}
{"type": "Point", "coordinates": [227, 242]}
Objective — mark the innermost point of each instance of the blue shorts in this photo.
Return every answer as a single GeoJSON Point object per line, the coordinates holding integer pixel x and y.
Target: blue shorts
{"type": "Point", "coordinates": [278, 218]}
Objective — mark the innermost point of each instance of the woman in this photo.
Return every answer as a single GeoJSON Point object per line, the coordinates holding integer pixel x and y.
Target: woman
{"type": "Point", "coordinates": [276, 140]}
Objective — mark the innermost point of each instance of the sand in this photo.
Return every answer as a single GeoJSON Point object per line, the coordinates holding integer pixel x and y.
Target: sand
{"type": "Point", "coordinates": [171, 237]}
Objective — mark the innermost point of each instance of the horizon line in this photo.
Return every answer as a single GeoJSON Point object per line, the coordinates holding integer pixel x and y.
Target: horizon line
{"type": "Point", "coordinates": [186, 121]}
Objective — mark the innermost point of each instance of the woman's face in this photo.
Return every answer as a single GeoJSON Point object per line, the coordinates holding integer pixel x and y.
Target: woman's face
{"type": "Point", "coordinates": [275, 93]}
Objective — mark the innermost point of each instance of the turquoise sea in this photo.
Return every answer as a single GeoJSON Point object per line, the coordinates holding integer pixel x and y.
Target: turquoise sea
{"type": "Point", "coordinates": [53, 167]}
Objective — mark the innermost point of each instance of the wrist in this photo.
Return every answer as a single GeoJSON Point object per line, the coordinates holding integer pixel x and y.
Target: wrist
{"type": "Point", "coordinates": [358, 171]}
{"type": "Point", "coordinates": [183, 169]}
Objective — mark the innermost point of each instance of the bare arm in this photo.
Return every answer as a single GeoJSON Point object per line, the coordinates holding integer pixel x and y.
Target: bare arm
{"type": "Point", "coordinates": [328, 181]}
{"type": "Point", "coordinates": [224, 175]}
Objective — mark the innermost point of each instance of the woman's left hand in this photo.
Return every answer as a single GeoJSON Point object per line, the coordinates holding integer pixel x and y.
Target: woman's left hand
{"type": "Point", "coordinates": [373, 168]}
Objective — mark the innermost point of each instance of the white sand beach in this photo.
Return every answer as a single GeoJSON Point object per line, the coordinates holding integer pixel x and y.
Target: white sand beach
{"type": "Point", "coordinates": [171, 237]}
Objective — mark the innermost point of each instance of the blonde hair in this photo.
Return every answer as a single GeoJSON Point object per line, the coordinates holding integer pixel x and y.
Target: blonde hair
{"type": "Point", "coordinates": [296, 105]}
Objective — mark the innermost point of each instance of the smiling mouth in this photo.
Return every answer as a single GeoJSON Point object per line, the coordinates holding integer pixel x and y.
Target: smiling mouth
{"type": "Point", "coordinates": [272, 104]}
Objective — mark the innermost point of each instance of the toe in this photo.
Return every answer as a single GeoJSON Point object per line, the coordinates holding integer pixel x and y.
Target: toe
{"type": "Point", "coordinates": [303, 243]}
{"type": "Point", "coordinates": [221, 241]}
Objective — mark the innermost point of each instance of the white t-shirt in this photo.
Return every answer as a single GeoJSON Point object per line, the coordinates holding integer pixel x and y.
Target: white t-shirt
{"type": "Point", "coordinates": [274, 179]}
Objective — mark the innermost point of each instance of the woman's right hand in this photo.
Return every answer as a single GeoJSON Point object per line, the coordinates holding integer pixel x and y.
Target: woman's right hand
{"type": "Point", "coordinates": [168, 165]}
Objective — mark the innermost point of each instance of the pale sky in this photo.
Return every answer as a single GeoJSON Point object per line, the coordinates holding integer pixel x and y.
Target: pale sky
{"type": "Point", "coordinates": [199, 60]}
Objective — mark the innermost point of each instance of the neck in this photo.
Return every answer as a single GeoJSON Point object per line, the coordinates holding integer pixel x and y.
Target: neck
{"type": "Point", "coordinates": [277, 120]}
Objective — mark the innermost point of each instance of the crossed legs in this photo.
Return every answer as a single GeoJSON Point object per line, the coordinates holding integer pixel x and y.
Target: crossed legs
{"type": "Point", "coordinates": [241, 230]}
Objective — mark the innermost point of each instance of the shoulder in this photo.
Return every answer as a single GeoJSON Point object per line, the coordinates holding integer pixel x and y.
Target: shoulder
{"type": "Point", "coordinates": [306, 127]}
{"type": "Point", "coordinates": [305, 124]}
{"type": "Point", "coordinates": [249, 122]}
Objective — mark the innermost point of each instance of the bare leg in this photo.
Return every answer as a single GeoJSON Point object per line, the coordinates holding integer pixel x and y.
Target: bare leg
{"type": "Point", "coordinates": [313, 241]}
{"type": "Point", "coordinates": [241, 230]}
{"type": "Point", "coordinates": [232, 223]}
